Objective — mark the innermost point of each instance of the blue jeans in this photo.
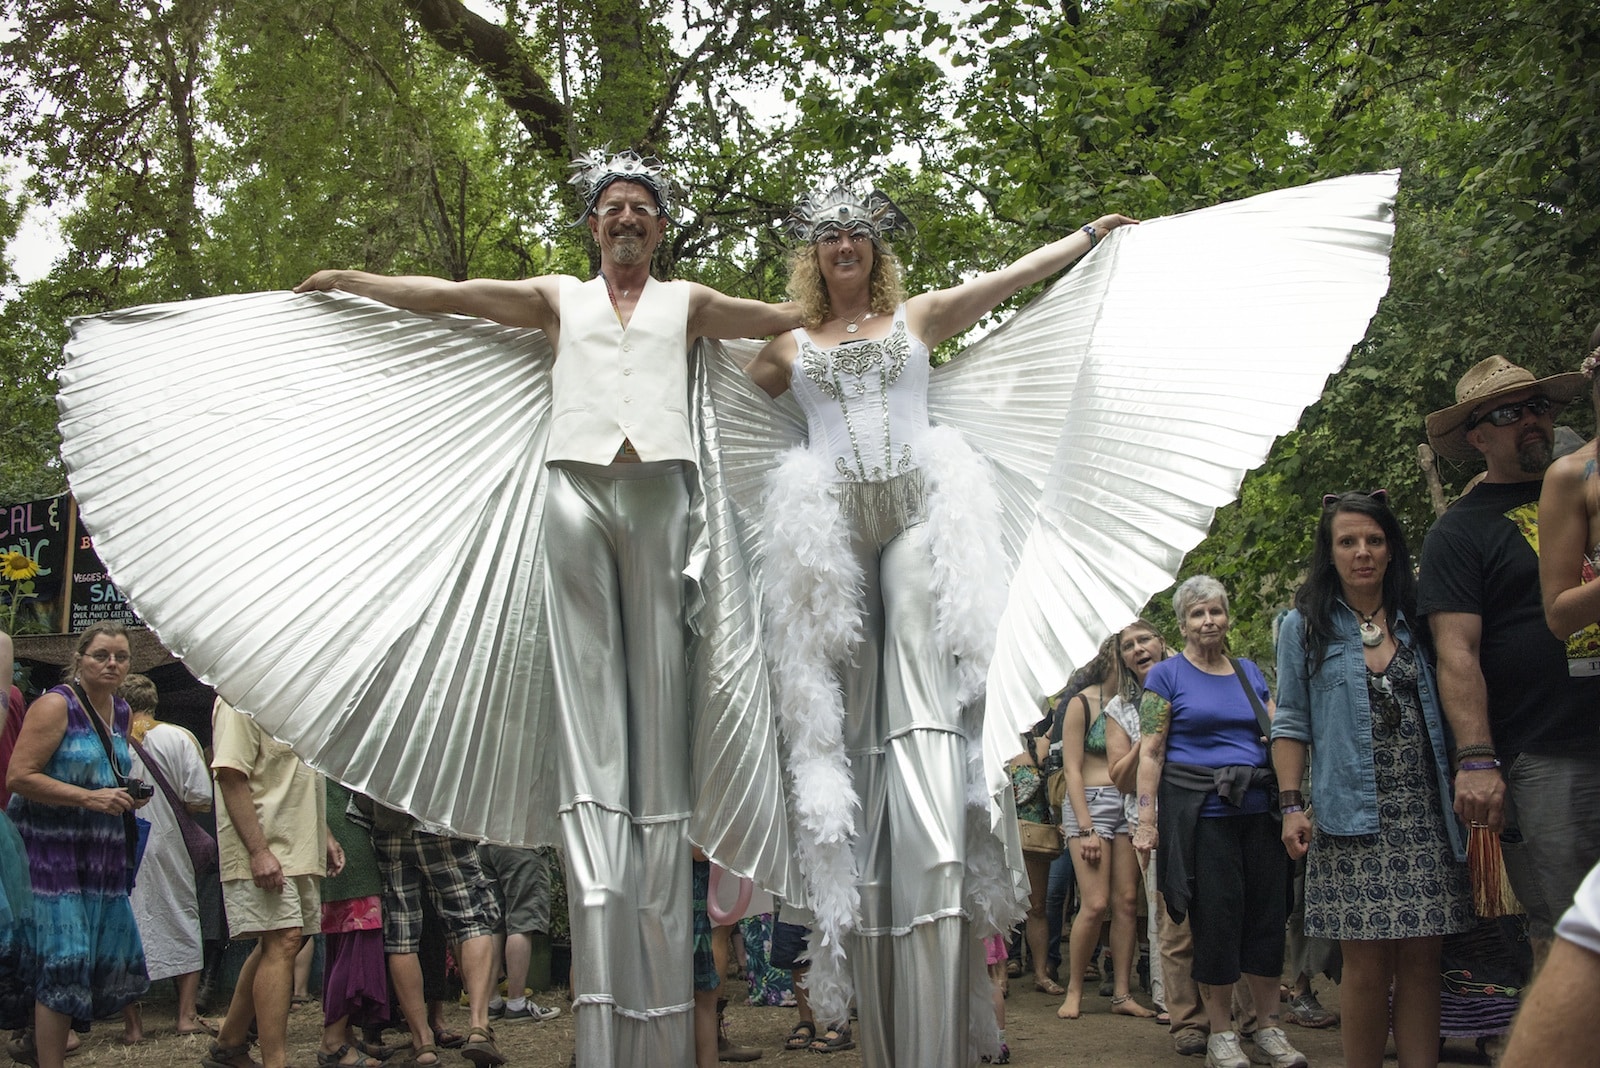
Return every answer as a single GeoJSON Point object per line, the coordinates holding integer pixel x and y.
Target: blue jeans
{"type": "Point", "coordinates": [1057, 897]}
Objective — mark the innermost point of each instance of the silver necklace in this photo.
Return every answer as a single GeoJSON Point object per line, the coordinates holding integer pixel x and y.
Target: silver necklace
{"type": "Point", "coordinates": [850, 326]}
{"type": "Point", "coordinates": [1371, 633]}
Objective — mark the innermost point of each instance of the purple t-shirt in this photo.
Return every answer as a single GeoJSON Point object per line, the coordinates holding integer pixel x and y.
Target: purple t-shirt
{"type": "Point", "coordinates": [1213, 724]}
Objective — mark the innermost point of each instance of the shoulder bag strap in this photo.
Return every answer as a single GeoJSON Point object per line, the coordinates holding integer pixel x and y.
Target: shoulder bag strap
{"type": "Point", "coordinates": [130, 829]}
{"type": "Point", "coordinates": [1255, 698]}
{"type": "Point", "coordinates": [179, 809]}
{"type": "Point", "coordinates": [101, 732]}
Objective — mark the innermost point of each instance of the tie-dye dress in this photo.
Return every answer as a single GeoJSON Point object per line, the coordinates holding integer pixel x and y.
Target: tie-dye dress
{"type": "Point", "coordinates": [90, 960]}
{"type": "Point", "coordinates": [17, 960]}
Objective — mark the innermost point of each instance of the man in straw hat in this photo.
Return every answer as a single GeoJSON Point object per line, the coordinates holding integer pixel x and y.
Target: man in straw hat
{"type": "Point", "coordinates": [1520, 702]}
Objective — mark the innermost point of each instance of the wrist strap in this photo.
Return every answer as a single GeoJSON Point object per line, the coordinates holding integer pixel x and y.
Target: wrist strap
{"type": "Point", "coordinates": [1094, 238]}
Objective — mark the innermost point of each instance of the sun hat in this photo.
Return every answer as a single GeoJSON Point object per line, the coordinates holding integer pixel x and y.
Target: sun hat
{"type": "Point", "coordinates": [1477, 390]}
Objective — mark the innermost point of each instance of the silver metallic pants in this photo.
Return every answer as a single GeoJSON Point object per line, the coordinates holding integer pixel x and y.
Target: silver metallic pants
{"type": "Point", "coordinates": [616, 539]}
{"type": "Point", "coordinates": [911, 955]}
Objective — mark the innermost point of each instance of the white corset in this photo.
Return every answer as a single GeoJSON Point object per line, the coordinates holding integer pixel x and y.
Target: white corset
{"type": "Point", "coordinates": [866, 402]}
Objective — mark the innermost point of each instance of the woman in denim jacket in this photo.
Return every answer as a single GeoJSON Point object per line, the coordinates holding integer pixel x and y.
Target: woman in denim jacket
{"type": "Point", "coordinates": [1385, 872]}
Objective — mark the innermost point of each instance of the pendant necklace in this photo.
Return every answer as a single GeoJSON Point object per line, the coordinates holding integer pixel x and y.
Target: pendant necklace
{"type": "Point", "coordinates": [1371, 633]}
{"type": "Point", "coordinates": [615, 307]}
{"type": "Point", "coordinates": [850, 326]}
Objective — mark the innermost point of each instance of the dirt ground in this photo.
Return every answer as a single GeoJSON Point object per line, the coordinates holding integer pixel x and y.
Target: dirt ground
{"type": "Point", "coordinates": [1036, 1036]}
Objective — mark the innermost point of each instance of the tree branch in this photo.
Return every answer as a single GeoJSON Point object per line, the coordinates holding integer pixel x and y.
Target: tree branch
{"type": "Point", "coordinates": [497, 52]}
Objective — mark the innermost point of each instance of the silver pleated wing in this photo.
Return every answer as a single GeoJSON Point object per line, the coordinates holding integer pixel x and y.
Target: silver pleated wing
{"type": "Point", "coordinates": [1125, 405]}
{"type": "Point", "coordinates": [330, 509]}
{"type": "Point", "coordinates": [740, 817]}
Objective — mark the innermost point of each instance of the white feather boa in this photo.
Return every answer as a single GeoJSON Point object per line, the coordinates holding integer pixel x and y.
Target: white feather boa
{"type": "Point", "coordinates": [813, 595]}
{"type": "Point", "coordinates": [814, 609]}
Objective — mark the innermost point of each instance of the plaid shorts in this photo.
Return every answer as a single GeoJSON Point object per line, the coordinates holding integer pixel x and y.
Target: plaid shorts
{"type": "Point", "coordinates": [705, 961]}
{"type": "Point", "coordinates": [412, 861]}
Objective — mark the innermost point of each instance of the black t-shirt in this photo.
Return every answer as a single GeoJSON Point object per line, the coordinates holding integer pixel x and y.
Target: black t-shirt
{"type": "Point", "coordinates": [1482, 557]}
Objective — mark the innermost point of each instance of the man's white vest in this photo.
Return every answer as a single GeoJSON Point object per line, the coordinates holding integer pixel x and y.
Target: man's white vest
{"type": "Point", "coordinates": [612, 384]}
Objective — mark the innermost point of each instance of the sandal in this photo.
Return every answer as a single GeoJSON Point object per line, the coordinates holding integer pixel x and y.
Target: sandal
{"type": "Point", "coordinates": [425, 1051]}
{"type": "Point", "coordinates": [833, 1040]}
{"type": "Point", "coordinates": [445, 1038]}
{"type": "Point", "coordinates": [336, 1059]}
{"type": "Point", "coordinates": [1047, 985]}
{"type": "Point", "coordinates": [220, 1056]}
{"type": "Point", "coordinates": [480, 1048]}
{"type": "Point", "coordinates": [802, 1035]}
{"type": "Point", "coordinates": [377, 1050]}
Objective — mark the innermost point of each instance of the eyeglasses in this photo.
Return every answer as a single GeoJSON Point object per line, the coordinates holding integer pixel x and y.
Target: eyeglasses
{"type": "Point", "coordinates": [100, 656]}
{"type": "Point", "coordinates": [611, 211]}
{"type": "Point", "coordinates": [1331, 499]}
{"type": "Point", "coordinates": [1507, 414]}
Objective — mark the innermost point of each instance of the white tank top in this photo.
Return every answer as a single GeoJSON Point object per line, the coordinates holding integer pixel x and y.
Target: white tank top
{"type": "Point", "coordinates": [866, 402]}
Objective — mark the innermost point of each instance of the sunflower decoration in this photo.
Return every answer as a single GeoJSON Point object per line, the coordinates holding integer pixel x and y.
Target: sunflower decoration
{"type": "Point", "coordinates": [17, 566]}
{"type": "Point", "coordinates": [17, 570]}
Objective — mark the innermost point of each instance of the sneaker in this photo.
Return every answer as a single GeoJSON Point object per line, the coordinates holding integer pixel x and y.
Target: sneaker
{"type": "Point", "coordinates": [1223, 1051]}
{"type": "Point", "coordinates": [1306, 1011]}
{"type": "Point", "coordinates": [1189, 1042]}
{"type": "Point", "coordinates": [497, 1009]}
{"type": "Point", "coordinates": [1272, 1047]}
{"type": "Point", "coordinates": [530, 1011]}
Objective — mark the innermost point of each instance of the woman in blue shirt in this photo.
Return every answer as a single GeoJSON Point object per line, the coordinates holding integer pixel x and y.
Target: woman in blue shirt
{"type": "Point", "coordinates": [1205, 775]}
{"type": "Point", "coordinates": [1384, 872]}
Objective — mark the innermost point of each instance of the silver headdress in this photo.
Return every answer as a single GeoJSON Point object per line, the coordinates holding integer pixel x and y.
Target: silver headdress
{"type": "Point", "coordinates": [600, 168]}
{"type": "Point", "coordinates": [844, 208]}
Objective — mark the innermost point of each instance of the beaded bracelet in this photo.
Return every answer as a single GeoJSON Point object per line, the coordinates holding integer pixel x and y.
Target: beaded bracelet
{"type": "Point", "coordinates": [1094, 238]}
{"type": "Point", "coordinates": [1490, 764]}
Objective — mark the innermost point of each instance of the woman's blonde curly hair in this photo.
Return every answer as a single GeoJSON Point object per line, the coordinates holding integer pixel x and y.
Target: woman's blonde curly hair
{"type": "Point", "coordinates": [807, 289]}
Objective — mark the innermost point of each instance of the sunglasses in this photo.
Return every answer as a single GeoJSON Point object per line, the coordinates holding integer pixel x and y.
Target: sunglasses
{"type": "Point", "coordinates": [1331, 499]}
{"type": "Point", "coordinates": [1507, 414]}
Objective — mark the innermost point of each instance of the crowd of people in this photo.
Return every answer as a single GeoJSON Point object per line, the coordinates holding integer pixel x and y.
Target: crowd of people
{"type": "Point", "coordinates": [117, 882]}
{"type": "Point", "coordinates": [1403, 764]}
{"type": "Point", "coordinates": [1177, 770]}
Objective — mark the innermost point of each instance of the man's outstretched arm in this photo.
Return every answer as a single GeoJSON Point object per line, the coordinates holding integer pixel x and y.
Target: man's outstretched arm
{"type": "Point", "coordinates": [527, 302]}
{"type": "Point", "coordinates": [714, 314]}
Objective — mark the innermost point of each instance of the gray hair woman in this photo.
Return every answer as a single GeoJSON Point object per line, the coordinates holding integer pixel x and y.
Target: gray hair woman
{"type": "Point", "coordinates": [72, 803]}
{"type": "Point", "coordinates": [1210, 715]}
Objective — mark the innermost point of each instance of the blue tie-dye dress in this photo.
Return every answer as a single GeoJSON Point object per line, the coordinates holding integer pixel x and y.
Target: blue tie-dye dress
{"type": "Point", "coordinates": [17, 961]}
{"type": "Point", "coordinates": [90, 962]}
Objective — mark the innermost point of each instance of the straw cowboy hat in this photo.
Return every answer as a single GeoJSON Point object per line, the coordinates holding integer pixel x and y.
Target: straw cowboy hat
{"type": "Point", "coordinates": [1478, 389]}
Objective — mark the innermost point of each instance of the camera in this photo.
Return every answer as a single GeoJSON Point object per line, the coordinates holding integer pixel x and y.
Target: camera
{"type": "Point", "coordinates": [138, 789]}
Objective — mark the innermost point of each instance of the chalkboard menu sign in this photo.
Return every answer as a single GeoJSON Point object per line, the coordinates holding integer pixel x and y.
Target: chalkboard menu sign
{"type": "Point", "coordinates": [69, 588]}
